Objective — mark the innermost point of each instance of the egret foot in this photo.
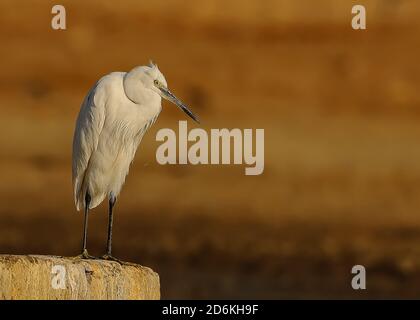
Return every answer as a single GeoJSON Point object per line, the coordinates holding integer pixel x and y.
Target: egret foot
{"type": "Point", "coordinates": [85, 255]}
{"type": "Point", "coordinates": [111, 258]}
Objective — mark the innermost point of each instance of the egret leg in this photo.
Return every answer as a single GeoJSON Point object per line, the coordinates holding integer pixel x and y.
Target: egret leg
{"type": "Point", "coordinates": [85, 254]}
{"type": "Point", "coordinates": [108, 255]}
{"type": "Point", "coordinates": [112, 200]}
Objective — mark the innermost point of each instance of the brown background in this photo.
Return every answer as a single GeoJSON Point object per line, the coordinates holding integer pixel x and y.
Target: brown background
{"type": "Point", "coordinates": [340, 109]}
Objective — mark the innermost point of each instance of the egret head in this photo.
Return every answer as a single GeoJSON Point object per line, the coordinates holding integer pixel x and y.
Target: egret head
{"type": "Point", "coordinates": [142, 83]}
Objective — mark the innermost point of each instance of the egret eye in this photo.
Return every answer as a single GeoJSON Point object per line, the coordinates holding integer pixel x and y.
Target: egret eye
{"type": "Point", "coordinates": [156, 82]}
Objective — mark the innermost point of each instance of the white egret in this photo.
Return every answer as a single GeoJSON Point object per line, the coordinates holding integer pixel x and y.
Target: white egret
{"type": "Point", "coordinates": [113, 118]}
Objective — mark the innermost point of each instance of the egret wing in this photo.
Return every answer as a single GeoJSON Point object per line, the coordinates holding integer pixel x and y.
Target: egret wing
{"type": "Point", "coordinates": [89, 125]}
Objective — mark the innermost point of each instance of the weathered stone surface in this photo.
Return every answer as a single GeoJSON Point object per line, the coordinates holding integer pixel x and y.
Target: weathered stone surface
{"type": "Point", "coordinates": [51, 278]}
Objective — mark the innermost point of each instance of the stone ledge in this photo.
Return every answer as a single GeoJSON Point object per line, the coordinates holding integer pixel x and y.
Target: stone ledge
{"type": "Point", "coordinates": [61, 278]}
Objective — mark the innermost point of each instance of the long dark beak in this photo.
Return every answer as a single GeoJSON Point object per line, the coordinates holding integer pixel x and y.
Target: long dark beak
{"type": "Point", "coordinates": [168, 95]}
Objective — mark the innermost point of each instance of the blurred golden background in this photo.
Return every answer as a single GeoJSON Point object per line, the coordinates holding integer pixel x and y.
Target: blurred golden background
{"type": "Point", "coordinates": [340, 109]}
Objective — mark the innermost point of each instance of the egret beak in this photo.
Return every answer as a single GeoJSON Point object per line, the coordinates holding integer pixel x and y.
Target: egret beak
{"type": "Point", "coordinates": [168, 95]}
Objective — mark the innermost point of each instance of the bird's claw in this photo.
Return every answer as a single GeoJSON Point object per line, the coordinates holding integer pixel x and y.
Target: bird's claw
{"type": "Point", "coordinates": [85, 255]}
{"type": "Point", "coordinates": [111, 258]}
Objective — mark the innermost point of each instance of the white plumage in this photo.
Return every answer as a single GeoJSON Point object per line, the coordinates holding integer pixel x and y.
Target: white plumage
{"type": "Point", "coordinates": [109, 129]}
{"type": "Point", "coordinates": [113, 118]}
